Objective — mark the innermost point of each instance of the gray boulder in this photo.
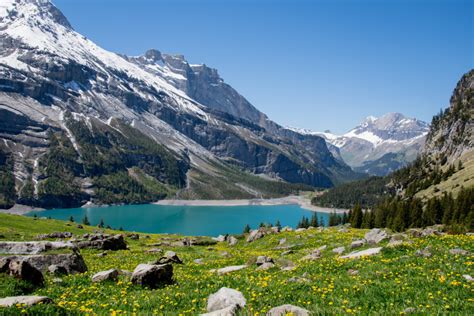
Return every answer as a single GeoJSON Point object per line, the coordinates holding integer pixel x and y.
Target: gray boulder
{"type": "Point", "coordinates": [24, 300]}
{"type": "Point", "coordinates": [376, 235]}
{"type": "Point", "coordinates": [73, 263]}
{"type": "Point", "coordinates": [229, 269]}
{"type": "Point", "coordinates": [339, 250]}
{"type": "Point", "coordinates": [232, 241]}
{"type": "Point", "coordinates": [363, 253]}
{"type": "Point", "coordinates": [228, 311]}
{"type": "Point", "coordinates": [425, 253]}
{"type": "Point", "coordinates": [314, 255]}
{"type": "Point", "coordinates": [104, 242]}
{"type": "Point", "coordinates": [458, 251]}
{"type": "Point", "coordinates": [256, 234]}
{"type": "Point", "coordinates": [59, 235]}
{"type": "Point", "coordinates": [265, 266]}
{"type": "Point", "coordinates": [288, 309]}
{"type": "Point", "coordinates": [357, 243]}
{"type": "Point", "coordinates": [108, 275]}
{"type": "Point", "coordinates": [169, 257]}
{"type": "Point", "coordinates": [225, 298]}
{"type": "Point", "coordinates": [32, 247]}
{"type": "Point", "coordinates": [152, 275]}
{"type": "Point", "coordinates": [263, 259]}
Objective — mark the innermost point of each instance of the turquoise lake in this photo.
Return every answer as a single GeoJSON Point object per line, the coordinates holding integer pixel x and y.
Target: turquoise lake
{"type": "Point", "coordinates": [185, 220]}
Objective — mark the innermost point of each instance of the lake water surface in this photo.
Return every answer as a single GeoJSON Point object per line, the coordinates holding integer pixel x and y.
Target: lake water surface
{"type": "Point", "coordinates": [186, 220]}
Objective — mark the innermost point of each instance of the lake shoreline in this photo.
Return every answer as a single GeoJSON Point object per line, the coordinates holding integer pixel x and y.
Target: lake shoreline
{"type": "Point", "coordinates": [302, 201]}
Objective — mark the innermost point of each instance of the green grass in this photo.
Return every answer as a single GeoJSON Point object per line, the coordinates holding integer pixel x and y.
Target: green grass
{"type": "Point", "coordinates": [387, 284]}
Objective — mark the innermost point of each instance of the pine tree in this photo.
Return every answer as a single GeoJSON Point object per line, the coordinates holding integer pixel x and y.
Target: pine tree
{"type": "Point", "coordinates": [246, 229]}
{"type": "Point", "coordinates": [71, 219]}
{"type": "Point", "coordinates": [314, 220]}
{"type": "Point", "coordinates": [85, 221]}
{"type": "Point", "coordinates": [278, 224]}
{"type": "Point", "coordinates": [101, 224]}
{"type": "Point", "coordinates": [357, 215]}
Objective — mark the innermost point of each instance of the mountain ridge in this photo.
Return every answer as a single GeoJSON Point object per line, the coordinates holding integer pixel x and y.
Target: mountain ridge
{"type": "Point", "coordinates": [378, 146]}
{"type": "Point", "coordinates": [53, 77]}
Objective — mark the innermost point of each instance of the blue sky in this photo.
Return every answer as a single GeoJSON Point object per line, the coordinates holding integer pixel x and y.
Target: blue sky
{"type": "Point", "coordinates": [313, 64]}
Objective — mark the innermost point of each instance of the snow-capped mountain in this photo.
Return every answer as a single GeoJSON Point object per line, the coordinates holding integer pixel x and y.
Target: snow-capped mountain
{"type": "Point", "coordinates": [378, 145]}
{"type": "Point", "coordinates": [98, 117]}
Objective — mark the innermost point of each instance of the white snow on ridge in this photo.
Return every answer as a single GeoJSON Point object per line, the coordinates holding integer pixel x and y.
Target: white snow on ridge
{"type": "Point", "coordinates": [36, 29]}
{"type": "Point", "coordinates": [366, 135]}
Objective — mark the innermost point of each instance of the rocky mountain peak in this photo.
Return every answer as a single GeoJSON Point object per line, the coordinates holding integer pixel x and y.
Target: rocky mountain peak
{"type": "Point", "coordinates": [34, 12]}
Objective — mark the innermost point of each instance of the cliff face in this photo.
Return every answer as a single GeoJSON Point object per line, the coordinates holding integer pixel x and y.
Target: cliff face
{"type": "Point", "coordinates": [53, 78]}
{"type": "Point", "coordinates": [451, 134]}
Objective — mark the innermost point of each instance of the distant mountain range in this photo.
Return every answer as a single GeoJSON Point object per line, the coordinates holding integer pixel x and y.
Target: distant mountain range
{"type": "Point", "coordinates": [80, 123]}
{"type": "Point", "coordinates": [377, 146]}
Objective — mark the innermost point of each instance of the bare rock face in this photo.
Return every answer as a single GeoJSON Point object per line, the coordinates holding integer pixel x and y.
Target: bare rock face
{"type": "Point", "coordinates": [225, 298]}
{"type": "Point", "coordinates": [108, 275]}
{"type": "Point", "coordinates": [23, 270]}
{"type": "Point", "coordinates": [288, 309]}
{"type": "Point", "coordinates": [263, 259]}
{"type": "Point", "coordinates": [24, 300]}
{"type": "Point", "coordinates": [59, 235]}
{"type": "Point", "coordinates": [57, 270]}
{"type": "Point", "coordinates": [152, 275]}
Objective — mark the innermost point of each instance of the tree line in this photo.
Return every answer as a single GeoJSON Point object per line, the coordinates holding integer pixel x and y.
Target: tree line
{"type": "Point", "coordinates": [399, 214]}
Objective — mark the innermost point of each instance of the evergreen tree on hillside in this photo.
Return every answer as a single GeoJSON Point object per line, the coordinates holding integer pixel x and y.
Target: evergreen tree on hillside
{"type": "Point", "coordinates": [246, 229]}
{"type": "Point", "coordinates": [85, 221]}
{"type": "Point", "coordinates": [314, 220]}
{"type": "Point", "coordinates": [357, 216]}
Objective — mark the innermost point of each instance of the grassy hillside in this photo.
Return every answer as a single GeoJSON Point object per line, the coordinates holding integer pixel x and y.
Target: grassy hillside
{"type": "Point", "coordinates": [388, 283]}
{"type": "Point", "coordinates": [461, 178]}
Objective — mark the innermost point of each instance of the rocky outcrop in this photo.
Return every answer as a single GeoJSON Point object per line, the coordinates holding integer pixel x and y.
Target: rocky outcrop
{"type": "Point", "coordinates": [23, 270]}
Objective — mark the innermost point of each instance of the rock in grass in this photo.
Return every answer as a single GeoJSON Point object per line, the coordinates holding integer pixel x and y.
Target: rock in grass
{"type": "Point", "coordinates": [233, 241]}
{"type": "Point", "coordinates": [73, 263]}
{"type": "Point", "coordinates": [57, 270]}
{"type": "Point", "coordinates": [339, 250]}
{"type": "Point", "coordinates": [468, 277]}
{"type": "Point", "coordinates": [353, 272]}
{"type": "Point", "coordinates": [265, 266]}
{"type": "Point", "coordinates": [108, 275]}
{"type": "Point", "coordinates": [314, 255]}
{"type": "Point", "coordinates": [357, 243]}
{"type": "Point", "coordinates": [152, 275]}
{"type": "Point", "coordinates": [33, 247]}
{"type": "Point", "coordinates": [23, 270]}
{"type": "Point", "coordinates": [24, 300]}
{"type": "Point", "coordinates": [228, 311]}
{"type": "Point", "coordinates": [229, 269]}
{"type": "Point", "coordinates": [363, 253]}
{"type": "Point", "coordinates": [169, 257]}
{"type": "Point", "coordinates": [425, 253]}
{"type": "Point", "coordinates": [288, 309]}
{"type": "Point", "coordinates": [263, 259]}
{"type": "Point", "coordinates": [458, 251]}
{"type": "Point", "coordinates": [198, 261]}
{"type": "Point", "coordinates": [225, 298]}
{"type": "Point", "coordinates": [256, 234]}
{"type": "Point", "coordinates": [376, 235]}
